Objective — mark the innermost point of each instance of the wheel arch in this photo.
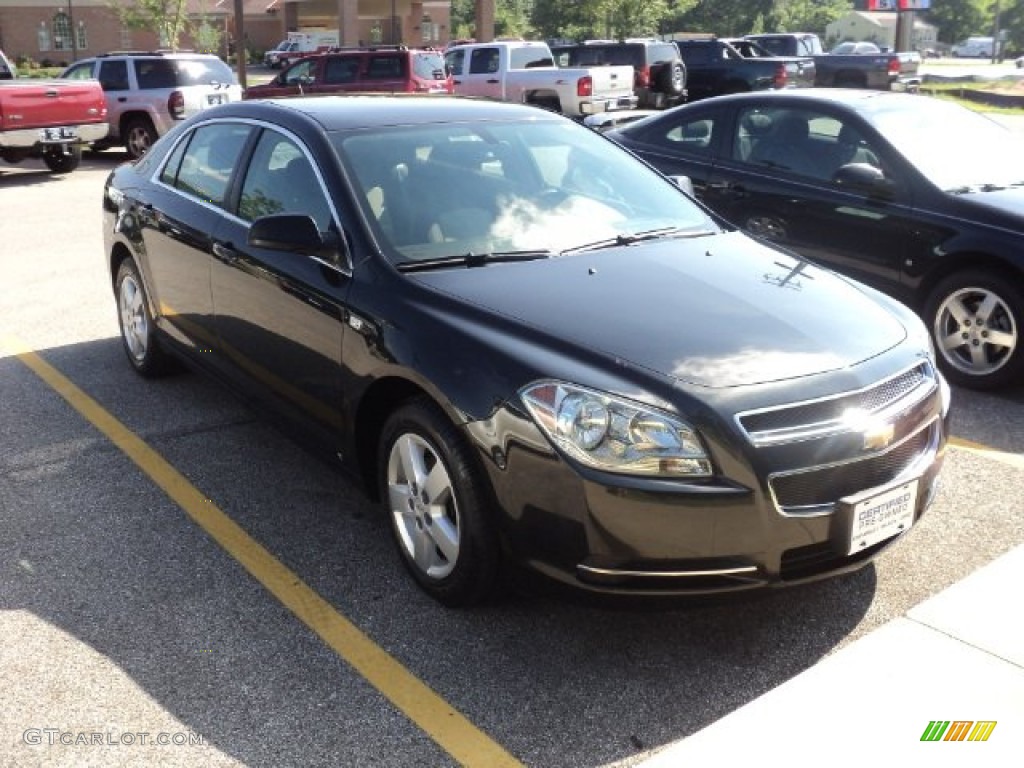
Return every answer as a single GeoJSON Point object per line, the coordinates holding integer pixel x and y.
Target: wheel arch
{"type": "Point", "coordinates": [377, 403]}
{"type": "Point", "coordinates": [963, 262]}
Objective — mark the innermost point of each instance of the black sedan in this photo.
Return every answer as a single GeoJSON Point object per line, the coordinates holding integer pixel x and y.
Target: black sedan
{"type": "Point", "coordinates": [533, 349]}
{"type": "Point", "coordinates": [919, 197]}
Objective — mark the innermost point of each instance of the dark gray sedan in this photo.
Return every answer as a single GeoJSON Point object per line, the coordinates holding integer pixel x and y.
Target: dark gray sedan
{"type": "Point", "coordinates": [535, 351]}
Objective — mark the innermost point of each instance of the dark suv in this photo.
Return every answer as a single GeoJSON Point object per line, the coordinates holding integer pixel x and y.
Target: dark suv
{"type": "Point", "coordinates": [659, 78]}
{"type": "Point", "coordinates": [389, 69]}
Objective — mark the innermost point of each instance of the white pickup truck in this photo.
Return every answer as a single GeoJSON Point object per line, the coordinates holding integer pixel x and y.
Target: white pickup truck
{"type": "Point", "coordinates": [525, 71]}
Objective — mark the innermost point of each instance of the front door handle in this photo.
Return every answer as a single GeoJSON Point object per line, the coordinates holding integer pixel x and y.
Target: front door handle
{"type": "Point", "coordinates": [225, 253]}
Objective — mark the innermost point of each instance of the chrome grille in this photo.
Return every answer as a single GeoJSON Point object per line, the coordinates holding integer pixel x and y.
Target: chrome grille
{"type": "Point", "coordinates": [821, 417]}
{"type": "Point", "coordinates": [824, 486]}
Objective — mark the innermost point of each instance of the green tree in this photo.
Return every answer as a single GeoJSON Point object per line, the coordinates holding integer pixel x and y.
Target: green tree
{"type": "Point", "coordinates": [957, 19]}
{"type": "Point", "coordinates": [807, 15]}
{"type": "Point", "coordinates": [633, 18]}
{"type": "Point", "coordinates": [168, 18]}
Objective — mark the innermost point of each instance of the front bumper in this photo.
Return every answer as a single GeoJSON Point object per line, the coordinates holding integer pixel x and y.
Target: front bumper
{"type": "Point", "coordinates": [781, 514]}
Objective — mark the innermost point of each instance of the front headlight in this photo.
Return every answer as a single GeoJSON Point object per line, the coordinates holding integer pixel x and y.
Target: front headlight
{"type": "Point", "coordinates": [615, 435]}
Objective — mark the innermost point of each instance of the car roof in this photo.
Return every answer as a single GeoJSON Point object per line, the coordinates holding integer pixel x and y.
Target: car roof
{"type": "Point", "coordinates": [370, 111]}
{"type": "Point", "coordinates": [852, 97]}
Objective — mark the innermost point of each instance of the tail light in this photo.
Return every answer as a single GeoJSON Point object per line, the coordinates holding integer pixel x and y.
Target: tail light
{"type": "Point", "coordinates": [781, 76]}
{"type": "Point", "coordinates": [894, 66]}
{"type": "Point", "coordinates": [643, 77]}
{"type": "Point", "coordinates": [176, 105]}
{"type": "Point", "coordinates": [585, 86]}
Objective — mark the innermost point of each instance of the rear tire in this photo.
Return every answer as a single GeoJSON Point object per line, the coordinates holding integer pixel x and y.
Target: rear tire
{"type": "Point", "coordinates": [976, 318]}
{"type": "Point", "coordinates": [138, 333]}
{"type": "Point", "coordinates": [139, 135]}
{"type": "Point", "coordinates": [59, 162]}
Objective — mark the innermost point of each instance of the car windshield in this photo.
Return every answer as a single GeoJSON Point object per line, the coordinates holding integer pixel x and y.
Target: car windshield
{"type": "Point", "coordinates": [923, 131]}
{"type": "Point", "coordinates": [450, 190]}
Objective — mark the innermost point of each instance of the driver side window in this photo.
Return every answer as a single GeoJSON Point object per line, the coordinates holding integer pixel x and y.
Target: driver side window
{"type": "Point", "coordinates": [301, 70]}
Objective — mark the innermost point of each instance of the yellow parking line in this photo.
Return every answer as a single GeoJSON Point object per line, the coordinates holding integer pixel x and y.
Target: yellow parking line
{"type": "Point", "coordinates": [437, 718]}
{"type": "Point", "coordinates": [1014, 460]}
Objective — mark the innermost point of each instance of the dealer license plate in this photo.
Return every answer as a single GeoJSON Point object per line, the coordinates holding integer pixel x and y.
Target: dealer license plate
{"type": "Point", "coordinates": [63, 133]}
{"type": "Point", "coordinates": [882, 516]}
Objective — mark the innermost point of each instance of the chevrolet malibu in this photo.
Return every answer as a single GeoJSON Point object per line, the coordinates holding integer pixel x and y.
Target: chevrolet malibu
{"type": "Point", "coordinates": [532, 349]}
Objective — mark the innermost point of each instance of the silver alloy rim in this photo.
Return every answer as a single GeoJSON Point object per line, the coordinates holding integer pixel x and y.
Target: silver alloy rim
{"type": "Point", "coordinates": [975, 331]}
{"type": "Point", "coordinates": [138, 141]}
{"type": "Point", "coordinates": [423, 507]}
{"type": "Point", "coordinates": [134, 323]}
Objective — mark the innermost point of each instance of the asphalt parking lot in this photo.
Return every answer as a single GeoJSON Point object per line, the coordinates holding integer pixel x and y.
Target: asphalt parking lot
{"type": "Point", "coordinates": [181, 584]}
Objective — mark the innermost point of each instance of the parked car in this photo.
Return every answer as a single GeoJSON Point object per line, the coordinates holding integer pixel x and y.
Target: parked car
{"type": "Point", "coordinates": [51, 120]}
{"type": "Point", "coordinates": [714, 67]}
{"type": "Point", "coordinates": [977, 46]}
{"type": "Point", "coordinates": [524, 71]}
{"type": "Point", "coordinates": [388, 69]}
{"type": "Point", "coordinates": [1019, 62]}
{"type": "Point", "coordinates": [919, 197]}
{"type": "Point", "coordinates": [148, 92]}
{"type": "Point", "coordinates": [533, 349]}
{"type": "Point", "coordinates": [659, 75]}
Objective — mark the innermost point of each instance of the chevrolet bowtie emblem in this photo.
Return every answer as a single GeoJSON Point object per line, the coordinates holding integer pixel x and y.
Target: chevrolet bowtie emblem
{"type": "Point", "coordinates": [878, 436]}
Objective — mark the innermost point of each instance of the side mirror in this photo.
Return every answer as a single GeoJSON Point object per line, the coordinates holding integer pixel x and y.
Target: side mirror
{"type": "Point", "coordinates": [863, 176]}
{"type": "Point", "coordinates": [295, 233]}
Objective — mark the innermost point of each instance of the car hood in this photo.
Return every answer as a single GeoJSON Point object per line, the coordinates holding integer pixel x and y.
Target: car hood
{"type": "Point", "coordinates": [1009, 200]}
{"type": "Point", "coordinates": [717, 311]}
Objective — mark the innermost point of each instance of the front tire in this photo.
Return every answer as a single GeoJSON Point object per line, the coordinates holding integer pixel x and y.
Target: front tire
{"type": "Point", "coordinates": [137, 330]}
{"type": "Point", "coordinates": [60, 162]}
{"type": "Point", "coordinates": [437, 505]}
{"type": "Point", "coordinates": [976, 319]}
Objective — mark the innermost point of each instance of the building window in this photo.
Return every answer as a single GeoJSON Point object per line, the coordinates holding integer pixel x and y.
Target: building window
{"type": "Point", "coordinates": [61, 32]}
{"type": "Point", "coordinates": [377, 32]}
{"type": "Point", "coordinates": [83, 38]}
{"type": "Point", "coordinates": [126, 39]}
{"type": "Point", "coordinates": [428, 29]}
{"type": "Point", "coordinates": [43, 35]}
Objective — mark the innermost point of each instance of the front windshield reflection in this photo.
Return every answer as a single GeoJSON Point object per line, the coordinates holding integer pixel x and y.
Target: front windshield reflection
{"type": "Point", "coordinates": [447, 190]}
{"type": "Point", "coordinates": [953, 146]}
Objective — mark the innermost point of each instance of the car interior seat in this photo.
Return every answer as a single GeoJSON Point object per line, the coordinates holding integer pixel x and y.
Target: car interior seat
{"type": "Point", "coordinates": [787, 147]}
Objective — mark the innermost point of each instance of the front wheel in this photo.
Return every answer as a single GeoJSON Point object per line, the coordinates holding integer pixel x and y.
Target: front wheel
{"type": "Point", "coordinates": [975, 318]}
{"type": "Point", "coordinates": [59, 161]}
{"type": "Point", "coordinates": [137, 331]}
{"type": "Point", "coordinates": [437, 505]}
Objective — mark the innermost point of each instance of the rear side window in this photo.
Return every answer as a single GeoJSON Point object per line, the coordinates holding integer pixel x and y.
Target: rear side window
{"type": "Point", "coordinates": [154, 74]}
{"type": "Point", "coordinates": [82, 71]}
{"type": "Point", "coordinates": [209, 161]}
{"type": "Point", "coordinates": [483, 61]}
{"type": "Point", "coordinates": [527, 58]}
{"type": "Point", "coordinates": [385, 67]}
{"type": "Point", "coordinates": [114, 76]}
{"type": "Point", "coordinates": [341, 69]}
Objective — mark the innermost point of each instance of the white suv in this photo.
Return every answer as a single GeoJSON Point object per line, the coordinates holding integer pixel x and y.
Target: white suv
{"type": "Point", "coordinates": [147, 92]}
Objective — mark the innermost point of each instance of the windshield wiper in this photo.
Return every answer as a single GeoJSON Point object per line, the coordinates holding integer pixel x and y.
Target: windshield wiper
{"type": "Point", "coordinates": [472, 259]}
{"type": "Point", "coordinates": [629, 239]}
{"type": "Point", "coordinates": [989, 187]}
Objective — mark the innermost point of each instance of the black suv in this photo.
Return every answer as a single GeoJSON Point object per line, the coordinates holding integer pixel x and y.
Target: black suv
{"type": "Point", "coordinates": [659, 78]}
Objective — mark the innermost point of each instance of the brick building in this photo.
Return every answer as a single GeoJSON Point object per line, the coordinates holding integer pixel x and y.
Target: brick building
{"type": "Point", "coordinates": [57, 32]}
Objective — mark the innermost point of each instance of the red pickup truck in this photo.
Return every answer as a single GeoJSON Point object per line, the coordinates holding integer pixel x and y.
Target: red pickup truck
{"type": "Point", "coordinates": [51, 120]}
